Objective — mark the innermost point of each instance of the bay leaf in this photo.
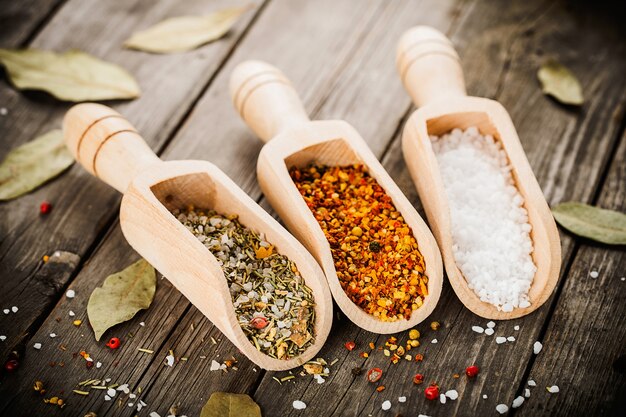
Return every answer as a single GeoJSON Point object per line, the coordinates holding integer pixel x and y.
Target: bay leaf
{"type": "Point", "coordinates": [121, 296]}
{"type": "Point", "coordinates": [606, 226]}
{"type": "Point", "coordinates": [224, 404]}
{"type": "Point", "coordinates": [32, 164]}
{"type": "Point", "coordinates": [560, 83]}
{"type": "Point", "coordinates": [185, 33]}
{"type": "Point", "coordinates": [71, 76]}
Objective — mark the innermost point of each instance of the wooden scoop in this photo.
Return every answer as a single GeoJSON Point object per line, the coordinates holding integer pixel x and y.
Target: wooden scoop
{"type": "Point", "coordinates": [268, 103]}
{"type": "Point", "coordinates": [431, 72]}
{"type": "Point", "coordinates": [110, 148]}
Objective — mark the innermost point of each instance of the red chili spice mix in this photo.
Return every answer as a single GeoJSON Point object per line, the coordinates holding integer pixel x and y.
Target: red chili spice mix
{"type": "Point", "coordinates": [375, 253]}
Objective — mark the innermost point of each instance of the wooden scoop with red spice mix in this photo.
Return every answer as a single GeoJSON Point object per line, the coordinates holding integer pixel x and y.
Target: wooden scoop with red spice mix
{"type": "Point", "coordinates": [381, 261]}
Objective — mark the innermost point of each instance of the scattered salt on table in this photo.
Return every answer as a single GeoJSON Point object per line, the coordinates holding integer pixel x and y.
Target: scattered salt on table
{"type": "Point", "coordinates": [526, 392]}
{"type": "Point", "coordinates": [111, 392]}
{"type": "Point", "coordinates": [299, 405]}
{"type": "Point", "coordinates": [53, 335]}
{"type": "Point", "coordinates": [434, 341]}
{"type": "Point", "coordinates": [491, 324]}
{"type": "Point", "coordinates": [516, 328]}
{"type": "Point", "coordinates": [442, 398]}
{"type": "Point", "coordinates": [6, 311]}
{"type": "Point", "coordinates": [502, 408]}
{"type": "Point", "coordinates": [71, 313]}
{"type": "Point", "coordinates": [14, 309]}
{"type": "Point", "coordinates": [490, 230]}
{"type": "Point", "coordinates": [386, 405]}
{"type": "Point", "coordinates": [500, 340]}
{"type": "Point", "coordinates": [3, 338]}
{"type": "Point", "coordinates": [70, 294]}
{"type": "Point", "coordinates": [594, 274]}
{"type": "Point", "coordinates": [401, 399]}
{"type": "Point", "coordinates": [553, 389]}
{"type": "Point", "coordinates": [489, 331]}
{"type": "Point", "coordinates": [510, 339]}
{"type": "Point", "coordinates": [532, 383]}
{"type": "Point", "coordinates": [537, 347]}
{"type": "Point", "coordinates": [215, 365]}
{"type": "Point", "coordinates": [485, 396]}
{"type": "Point", "coordinates": [517, 402]}
{"type": "Point", "coordinates": [169, 360]}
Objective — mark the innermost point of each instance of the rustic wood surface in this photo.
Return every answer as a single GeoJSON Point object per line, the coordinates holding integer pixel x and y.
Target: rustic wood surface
{"type": "Point", "coordinates": [340, 57]}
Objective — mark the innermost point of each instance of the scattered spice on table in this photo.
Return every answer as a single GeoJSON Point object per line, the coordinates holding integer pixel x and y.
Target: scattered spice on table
{"type": "Point", "coordinates": [274, 306]}
{"type": "Point", "coordinates": [490, 228]}
{"type": "Point", "coordinates": [374, 251]}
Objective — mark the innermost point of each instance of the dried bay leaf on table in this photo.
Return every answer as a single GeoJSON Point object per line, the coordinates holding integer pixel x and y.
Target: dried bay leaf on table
{"type": "Point", "coordinates": [185, 33]}
{"type": "Point", "coordinates": [71, 76]}
{"type": "Point", "coordinates": [560, 83]}
{"type": "Point", "coordinates": [32, 164]}
{"type": "Point", "coordinates": [606, 226]}
{"type": "Point", "coordinates": [121, 296]}
{"type": "Point", "coordinates": [224, 404]}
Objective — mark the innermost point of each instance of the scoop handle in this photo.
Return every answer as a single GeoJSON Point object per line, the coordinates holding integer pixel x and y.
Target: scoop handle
{"type": "Point", "coordinates": [265, 99]}
{"type": "Point", "coordinates": [106, 144]}
{"type": "Point", "coordinates": [429, 66]}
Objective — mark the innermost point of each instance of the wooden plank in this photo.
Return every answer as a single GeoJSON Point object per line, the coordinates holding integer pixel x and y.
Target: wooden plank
{"type": "Point", "coordinates": [568, 165]}
{"type": "Point", "coordinates": [19, 20]}
{"type": "Point", "coordinates": [84, 208]}
{"type": "Point", "coordinates": [583, 352]}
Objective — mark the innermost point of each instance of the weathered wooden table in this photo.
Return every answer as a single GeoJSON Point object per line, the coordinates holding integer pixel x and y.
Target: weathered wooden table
{"type": "Point", "coordinates": [340, 56]}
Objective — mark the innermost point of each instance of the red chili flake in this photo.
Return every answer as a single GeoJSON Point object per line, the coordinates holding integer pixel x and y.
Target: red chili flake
{"type": "Point", "coordinates": [418, 379]}
{"type": "Point", "coordinates": [374, 374]}
{"type": "Point", "coordinates": [114, 343]}
{"type": "Point", "coordinates": [11, 365]}
{"type": "Point", "coordinates": [432, 392]}
{"type": "Point", "coordinates": [380, 388]}
{"type": "Point", "coordinates": [89, 364]}
{"type": "Point", "coordinates": [419, 357]}
{"type": "Point", "coordinates": [472, 371]}
{"type": "Point", "coordinates": [350, 346]}
{"type": "Point", "coordinates": [258, 322]}
{"type": "Point", "coordinates": [45, 207]}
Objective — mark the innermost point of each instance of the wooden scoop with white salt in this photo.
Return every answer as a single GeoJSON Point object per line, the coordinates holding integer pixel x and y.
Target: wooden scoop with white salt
{"type": "Point", "coordinates": [499, 241]}
{"type": "Point", "coordinates": [110, 148]}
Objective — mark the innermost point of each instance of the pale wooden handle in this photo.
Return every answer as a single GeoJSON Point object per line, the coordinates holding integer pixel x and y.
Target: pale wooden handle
{"type": "Point", "coordinates": [429, 66]}
{"type": "Point", "coordinates": [106, 144]}
{"type": "Point", "coordinates": [265, 99]}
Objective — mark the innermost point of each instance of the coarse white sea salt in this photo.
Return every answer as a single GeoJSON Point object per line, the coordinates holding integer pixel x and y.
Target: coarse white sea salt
{"type": "Point", "coordinates": [442, 398]}
{"type": "Point", "coordinates": [386, 405]}
{"type": "Point", "coordinates": [401, 399]}
{"type": "Point", "coordinates": [489, 331]}
{"type": "Point", "coordinates": [537, 346]}
{"type": "Point", "coordinates": [502, 408]}
{"type": "Point", "coordinates": [299, 405]}
{"type": "Point", "coordinates": [517, 402]}
{"type": "Point", "coordinates": [532, 383]}
{"type": "Point", "coordinates": [500, 340]}
{"type": "Point", "coordinates": [478, 329]}
{"type": "Point", "coordinates": [452, 394]}
{"type": "Point", "coordinates": [490, 229]}
{"type": "Point", "coordinates": [553, 389]}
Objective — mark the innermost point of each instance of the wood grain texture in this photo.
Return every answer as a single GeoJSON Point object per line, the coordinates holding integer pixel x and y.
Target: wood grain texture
{"type": "Point", "coordinates": [82, 207]}
{"type": "Point", "coordinates": [20, 20]}
{"type": "Point", "coordinates": [583, 347]}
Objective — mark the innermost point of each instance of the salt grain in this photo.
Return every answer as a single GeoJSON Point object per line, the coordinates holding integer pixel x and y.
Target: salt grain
{"type": "Point", "coordinates": [70, 294]}
{"type": "Point", "coordinates": [14, 309]}
{"type": "Point", "coordinates": [500, 340]}
{"type": "Point", "coordinates": [594, 274]}
{"type": "Point", "coordinates": [142, 324]}
{"type": "Point", "coordinates": [111, 392]}
{"type": "Point", "coordinates": [553, 389]}
{"type": "Point", "coordinates": [434, 341]}
{"type": "Point", "coordinates": [169, 360]}
{"type": "Point", "coordinates": [485, 396]}
{"type": "Point", "coordinates": [214, 365]}
{"type": "Point", "coordinates": [401, 399]}
{"type": "Point", "coordinates": [452, 394]}
{"type": "Point", "coordinates": [490, 229]}
{"type": "Point", "coordinates": [154, 414]}
{"type": "Point", "coordinates": [4, 111]}
{"type": "Point", "coordinates": [386, 405]}
{"type": "Point", "coordinates": [53, 335]}
{"type": "Point", "coordinates": [489, 331]}
{"type": "Point", "coordinates": [3, 338]}
{"type": "Point", "coordinates": [532, 383]}
{"type": "Point", "coordinates": [107, 398]}
{"type": "Point", "coordinates": [442, 398]}
{"type": "Point", "coordinates": [517, 402]}
{"type": "Point", "coordinates": [526, 392]}
{"type": "Point", "coordinates": [478, 329]}
{"type": "Point", "coordinates": [537, 347]}
{"type": "Point", "coordinates": [6, 311]}
{"type": "Point", "coordinates": [299, 405]}
{"type": "Point", "coordinates": [71, 313]}
{"type": "Point", "coordinates": [502, 408]}
{"type": "Point", "coordinates": [516, 328]}
{"type": "Point", "coordinates": [99, 365]}
{"type": "Point", "coordinates": [510, 339]}
{"type": "Point", "coordinates": [491, 324]}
